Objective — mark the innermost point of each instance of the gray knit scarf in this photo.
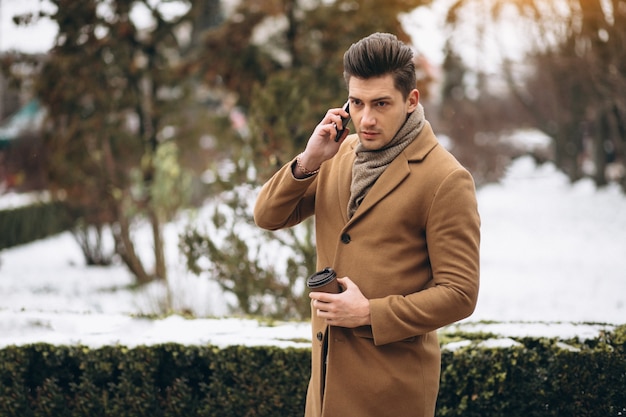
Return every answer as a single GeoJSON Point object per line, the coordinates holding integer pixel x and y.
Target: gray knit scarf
{"type": "Point", "coordinates": [369, 165]}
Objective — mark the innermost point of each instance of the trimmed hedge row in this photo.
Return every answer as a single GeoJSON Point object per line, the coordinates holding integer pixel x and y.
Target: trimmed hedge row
{"type": "Point", "coordinates": [28, 223]}
{"type": "Point", "coordinates": [165, 380]}
{"type": "Point", "coordinates": [538, 377]}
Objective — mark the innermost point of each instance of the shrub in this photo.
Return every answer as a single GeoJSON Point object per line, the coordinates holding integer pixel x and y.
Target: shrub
{"type": "Point", "coordinates": [533, 377]}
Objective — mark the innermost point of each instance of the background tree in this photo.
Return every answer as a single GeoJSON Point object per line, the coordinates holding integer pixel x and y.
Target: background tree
{"type": "Point", "coordinates": [115, 95]}
{"type": "Point", "coordinates": [584, 110]}
{"type": "Point", "coordinates": [567, 84]}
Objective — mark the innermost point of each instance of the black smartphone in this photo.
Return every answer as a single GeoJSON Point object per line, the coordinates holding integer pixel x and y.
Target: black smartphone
{"type": "Point", "coordinates": [344, 121]}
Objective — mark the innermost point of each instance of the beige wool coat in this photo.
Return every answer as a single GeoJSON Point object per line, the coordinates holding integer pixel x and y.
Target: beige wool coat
{"type": "Point", "coordinates": [412, 247]}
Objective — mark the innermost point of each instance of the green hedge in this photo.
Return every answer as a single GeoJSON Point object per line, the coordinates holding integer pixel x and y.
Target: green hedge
{"type": "Point", "coordinates": [165, 380]}
{"type": "Point", "coordinates": [28, 223]}
{"type": "Point", "coordinates": [538, 377]}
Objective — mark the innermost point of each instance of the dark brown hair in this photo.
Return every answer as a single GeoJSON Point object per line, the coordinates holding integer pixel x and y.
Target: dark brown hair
{"type": "Point", "coordinates": [380, 54]}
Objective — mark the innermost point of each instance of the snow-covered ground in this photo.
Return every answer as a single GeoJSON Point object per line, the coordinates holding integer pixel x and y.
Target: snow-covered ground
{"type": "Point", "coordinates": [553, 264]}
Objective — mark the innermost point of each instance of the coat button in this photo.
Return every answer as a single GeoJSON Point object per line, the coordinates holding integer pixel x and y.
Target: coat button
{"type": "Point", "coordinates": [345, 238]}
{"type": "Point", "coordinates": [320, 336]}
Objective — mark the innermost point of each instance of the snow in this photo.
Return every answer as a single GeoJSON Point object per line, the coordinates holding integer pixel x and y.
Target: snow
{"type": "Point", "coordinates": [37, 37]}
{"type": "Point", "coordinates": [11, 200]}
{"type": "Point", "coordinates": [552, 265]}
{"type": "Point", "coordinates": [552, 250]}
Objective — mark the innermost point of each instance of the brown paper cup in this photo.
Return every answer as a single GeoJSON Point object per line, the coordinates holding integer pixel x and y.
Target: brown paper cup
{"type": "Point", "coordinates": [324, 281]}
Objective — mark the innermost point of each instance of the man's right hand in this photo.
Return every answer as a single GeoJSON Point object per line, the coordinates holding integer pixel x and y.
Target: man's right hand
{"type": "Point", "coordinates": [321, 145]}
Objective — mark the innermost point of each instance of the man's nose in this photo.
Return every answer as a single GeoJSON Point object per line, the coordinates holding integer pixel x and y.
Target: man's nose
{"type": "Point", "coordinates": [368, 117]}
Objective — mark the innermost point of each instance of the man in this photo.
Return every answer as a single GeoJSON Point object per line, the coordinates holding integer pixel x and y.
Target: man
{"type": "Point", "coordinates": [396, 218]}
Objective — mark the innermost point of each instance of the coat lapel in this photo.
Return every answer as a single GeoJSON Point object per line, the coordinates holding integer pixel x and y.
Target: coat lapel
{"type": "Point", "coordinates": [395, 173]}
{"type": "Point", "coordinates": [344, 180]}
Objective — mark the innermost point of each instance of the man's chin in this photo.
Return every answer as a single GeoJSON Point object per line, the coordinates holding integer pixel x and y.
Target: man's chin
{"type": "Point", "coordinates": [371, 145]}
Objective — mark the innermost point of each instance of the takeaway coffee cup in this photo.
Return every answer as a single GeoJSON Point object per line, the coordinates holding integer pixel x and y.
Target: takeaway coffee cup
{"type": "Point", "coordinates": [324, 281]}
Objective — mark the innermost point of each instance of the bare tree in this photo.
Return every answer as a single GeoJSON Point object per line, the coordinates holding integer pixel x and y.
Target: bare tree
{"type": "Point", "coordinates": [571, 80]}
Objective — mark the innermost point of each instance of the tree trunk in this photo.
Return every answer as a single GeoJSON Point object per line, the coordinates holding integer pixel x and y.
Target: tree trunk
{"type": "Point", "coordinates": [599, 152]}
{"type": "Point", "coordinates": [124, 246]}
{"type": "Point", "coordinates": [126, 249]}
{"type": "Point", "coordinates": [160, 271]}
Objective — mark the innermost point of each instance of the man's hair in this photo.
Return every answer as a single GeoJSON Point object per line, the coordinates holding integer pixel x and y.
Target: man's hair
{"type": "Point", "coordinates": [380, 54]}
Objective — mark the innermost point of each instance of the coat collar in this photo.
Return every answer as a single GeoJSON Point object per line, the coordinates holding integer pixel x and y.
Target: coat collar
{"type": "Point", "coordinates": [395, 173]}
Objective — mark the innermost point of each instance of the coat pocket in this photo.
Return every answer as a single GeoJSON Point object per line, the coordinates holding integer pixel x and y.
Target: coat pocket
{"type": "Point", "coordinates": [366, 333]}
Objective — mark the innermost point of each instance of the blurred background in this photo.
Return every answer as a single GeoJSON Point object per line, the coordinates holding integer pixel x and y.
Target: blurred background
{"type": "Point", "coordinates": [120, 115]}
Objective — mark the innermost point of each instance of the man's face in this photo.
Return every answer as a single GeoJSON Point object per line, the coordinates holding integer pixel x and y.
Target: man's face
{"type": "Point", "coordinates": [378, 109]}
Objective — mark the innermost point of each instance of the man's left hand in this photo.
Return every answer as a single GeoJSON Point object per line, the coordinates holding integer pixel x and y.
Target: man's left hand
{"type": "Point", "coordinates": [349, 308]}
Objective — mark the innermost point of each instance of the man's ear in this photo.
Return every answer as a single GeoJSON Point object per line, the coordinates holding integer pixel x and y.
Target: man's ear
{"type": "Point", "coordinates": [413, 100]}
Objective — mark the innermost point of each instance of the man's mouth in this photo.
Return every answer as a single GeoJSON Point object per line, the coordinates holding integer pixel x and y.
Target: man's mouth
{"type": "Point", "coordinates": [369, 134]}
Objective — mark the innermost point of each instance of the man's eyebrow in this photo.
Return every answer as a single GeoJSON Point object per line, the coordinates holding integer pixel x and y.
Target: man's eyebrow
{"type": "Point", "coordinates": [383, 98]}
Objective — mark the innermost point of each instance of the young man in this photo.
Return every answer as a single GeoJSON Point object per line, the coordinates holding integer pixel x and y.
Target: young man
{"type": "Point", "coordinates": [396, 218]}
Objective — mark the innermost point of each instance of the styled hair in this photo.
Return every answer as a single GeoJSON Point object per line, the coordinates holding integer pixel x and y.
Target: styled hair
{"type": "Point", "coordinates": [380, 54]}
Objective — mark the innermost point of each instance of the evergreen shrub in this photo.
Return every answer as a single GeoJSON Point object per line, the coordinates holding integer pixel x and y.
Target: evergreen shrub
{"type": "Point", "coordinates": [25, 224]}
{"type": "Point", "coordinates": [533, 377]}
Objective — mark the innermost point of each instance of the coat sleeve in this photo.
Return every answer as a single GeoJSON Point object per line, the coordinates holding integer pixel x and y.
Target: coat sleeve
{"type": "Point", "coordinates": [453, 240]}
{"type": "Point", "coordinates": [284, 200]}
